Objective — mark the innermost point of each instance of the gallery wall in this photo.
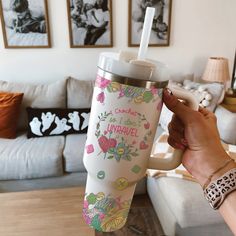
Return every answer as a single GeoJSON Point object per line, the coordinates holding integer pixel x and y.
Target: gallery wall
{"type": "Point", "coordinates": [199, 29]}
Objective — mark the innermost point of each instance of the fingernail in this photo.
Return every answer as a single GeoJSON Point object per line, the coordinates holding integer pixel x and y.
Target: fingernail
{"type": "Point", "coordinates": [180, 146]}
{"type": "Point", "coordinates": [168, 93]}
{"type": "Point", "coordinates": [184, 142]}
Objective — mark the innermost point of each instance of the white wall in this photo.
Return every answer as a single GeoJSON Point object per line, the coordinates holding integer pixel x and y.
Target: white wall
{"type": "Point", "coordinates": [199, 29]}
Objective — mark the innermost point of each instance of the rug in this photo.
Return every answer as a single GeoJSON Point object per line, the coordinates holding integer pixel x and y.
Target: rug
{"type": "Point", "coordinates": [142, 221]}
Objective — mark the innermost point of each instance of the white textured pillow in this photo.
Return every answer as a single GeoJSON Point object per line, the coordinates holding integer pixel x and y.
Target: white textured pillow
{"type": "Point", "coordinates": [214, 90]}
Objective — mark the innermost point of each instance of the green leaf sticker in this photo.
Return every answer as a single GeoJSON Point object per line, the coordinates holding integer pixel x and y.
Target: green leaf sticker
{"type": "Point", "coordinates": [91, 198]}
{"type": "Point", "coordinates": [136, 169]}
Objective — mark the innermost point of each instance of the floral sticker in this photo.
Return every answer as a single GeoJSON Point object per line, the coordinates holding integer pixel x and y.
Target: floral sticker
{"type": "Point", "coordinates": [105, 213]}
{"type": "Point", "coordinates": [119, 148]}
{"type": "Point", "coordinates": [135, 94]}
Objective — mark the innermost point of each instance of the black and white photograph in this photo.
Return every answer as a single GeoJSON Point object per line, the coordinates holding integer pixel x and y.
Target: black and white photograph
{"type": "Point", "coordinates": [25, 23]}
{"type": "Point", "coordinates": [90, 23]}
{"type": "Point", "coordinates": [160, 34]}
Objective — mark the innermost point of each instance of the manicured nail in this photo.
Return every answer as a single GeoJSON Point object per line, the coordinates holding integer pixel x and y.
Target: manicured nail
{"type": "Point", "coordinates": [180, 146]}
{"type": "Point", "coordinates": [168, 93]}
{"type": "Point", "coordinates": [184, 142]}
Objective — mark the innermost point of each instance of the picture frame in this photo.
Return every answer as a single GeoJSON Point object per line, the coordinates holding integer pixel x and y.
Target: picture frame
{"type": "Point", "coordinates": [25, 23]}
{"type": "Point", "coordinates": [160, 35]}
{"type": "Point", "coordinates": [90, 23]}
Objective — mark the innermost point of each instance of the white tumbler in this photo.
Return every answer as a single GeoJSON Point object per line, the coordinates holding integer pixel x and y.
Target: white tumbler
{"type": "Point", "coordinates": [124, 116]}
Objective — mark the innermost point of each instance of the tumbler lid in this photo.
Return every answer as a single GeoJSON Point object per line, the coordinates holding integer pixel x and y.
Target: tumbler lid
{"type": "Point", "coordinates": [109, 62]}
{"type": "Point", "coordinates": [117, 64]}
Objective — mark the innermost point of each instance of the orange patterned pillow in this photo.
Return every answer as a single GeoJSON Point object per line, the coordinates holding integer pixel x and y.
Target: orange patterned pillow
{"type": "Point", "coordinates": [9, 113]}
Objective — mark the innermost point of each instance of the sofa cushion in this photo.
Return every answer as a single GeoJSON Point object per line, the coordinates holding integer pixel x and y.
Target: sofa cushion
{"type": "Point", "coordinates": [9, 113]}
{"type": "Point", "coordinates": [226, 123]}
{"type": "Point", "coordinates": [38, 96]}
{"type": "Point", "coordinates": [79, 93]}
{"type": "Point", "coordinates": [57, 121]}
{"type": "Point", "coordinates": [186, 201]}
{"type": "Point", "coordinates": [23, 158]}
{"type": "Point", "coordinates": [73, 152]}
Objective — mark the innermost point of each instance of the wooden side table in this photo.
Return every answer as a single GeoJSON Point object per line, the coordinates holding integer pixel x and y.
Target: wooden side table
{"type": "Point", "coordinates": [229, 107]}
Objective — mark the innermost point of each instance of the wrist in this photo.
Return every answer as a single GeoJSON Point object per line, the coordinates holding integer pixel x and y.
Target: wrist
{"type": "Point", "coordinates": [203, 165]}
{"type": "Point", "coordinates": [217, 191]}
{"type": "Point", "coordinates": [230, 166]}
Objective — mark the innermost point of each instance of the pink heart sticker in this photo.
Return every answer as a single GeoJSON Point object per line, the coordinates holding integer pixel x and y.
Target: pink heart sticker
{"type": "Point", "coordinates": [89, 148]}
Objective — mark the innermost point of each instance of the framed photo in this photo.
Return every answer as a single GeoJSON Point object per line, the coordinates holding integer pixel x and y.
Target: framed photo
{"type": "Point", "coordinates": [90, 23]}
{"type": "Point", "coordinates": [160, 35]}
{"type": "Point", "coordinates": [25, 23]}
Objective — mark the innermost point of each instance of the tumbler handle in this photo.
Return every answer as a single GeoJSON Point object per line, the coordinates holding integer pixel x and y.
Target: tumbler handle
{"type": "Point", "coordinates": [176, 158]}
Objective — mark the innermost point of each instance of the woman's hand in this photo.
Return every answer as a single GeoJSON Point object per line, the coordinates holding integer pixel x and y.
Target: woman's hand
{"type": "Point", "coordinates": [196, 133]}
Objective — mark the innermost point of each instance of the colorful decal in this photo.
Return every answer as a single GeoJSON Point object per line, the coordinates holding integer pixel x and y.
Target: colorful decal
{"type": "Point", "coordinates": [135, 94]}
{"type": "Point", "coordinates": [105, 213]}
{"type": "Point", "coordinates": [136, 169]}
{"type": "Point", "coordinates": [101, 97]}
{"type": "Point", "coordinates": [118, 148]}
{"type": "Point", "coordinates": [89, 149]}
{"type": "Point", "coordinates": [121, 184]}
{"type": "Point", "coordinates": [101, 175]}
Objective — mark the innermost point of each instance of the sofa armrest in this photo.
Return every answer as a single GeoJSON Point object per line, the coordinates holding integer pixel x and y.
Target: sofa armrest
{"type": "Point", "coordinates": [226, 123]}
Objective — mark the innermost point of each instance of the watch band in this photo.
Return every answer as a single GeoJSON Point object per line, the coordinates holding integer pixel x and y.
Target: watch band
{"type": "Point", "coordinates": [216, 192]}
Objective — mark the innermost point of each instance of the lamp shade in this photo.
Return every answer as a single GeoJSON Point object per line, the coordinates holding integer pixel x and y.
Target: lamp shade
{"type": "Point", "coordinates": [217, 70]}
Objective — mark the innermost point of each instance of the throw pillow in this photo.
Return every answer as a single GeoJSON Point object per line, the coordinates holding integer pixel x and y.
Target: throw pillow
{"type": "Point", "coordinates": [56, 121]}
{"type": "Point", "coordinates": [9, 112]}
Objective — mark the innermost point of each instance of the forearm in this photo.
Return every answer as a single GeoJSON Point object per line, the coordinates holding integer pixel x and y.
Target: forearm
{"type": "Point", "coordinates": [228, 207]}
{"type": "Point", "coordinates": [228, 211]}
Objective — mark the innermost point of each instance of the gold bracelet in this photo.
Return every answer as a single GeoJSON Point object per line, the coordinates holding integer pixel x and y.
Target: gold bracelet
{"type": "Point", "coordinates": [220, 168]}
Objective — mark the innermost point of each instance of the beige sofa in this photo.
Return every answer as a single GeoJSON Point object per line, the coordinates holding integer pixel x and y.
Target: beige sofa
{"type": "Point", "coordinates": [46, 162]}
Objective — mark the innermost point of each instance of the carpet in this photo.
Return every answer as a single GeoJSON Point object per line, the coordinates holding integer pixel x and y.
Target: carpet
{"type": "Point", "coordinates": [142, 221]}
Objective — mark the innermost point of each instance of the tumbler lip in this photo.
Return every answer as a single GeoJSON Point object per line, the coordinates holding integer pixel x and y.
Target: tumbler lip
{"type": "Point", "coordinates": [148, 84]}
{"type": "Point", "coordinates": [147, 70]}
{"type": "Point", "coordinates": [109, 61]}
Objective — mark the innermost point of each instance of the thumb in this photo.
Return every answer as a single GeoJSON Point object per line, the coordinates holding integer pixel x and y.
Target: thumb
{"type": "Point", "coordinates": [183, 112]}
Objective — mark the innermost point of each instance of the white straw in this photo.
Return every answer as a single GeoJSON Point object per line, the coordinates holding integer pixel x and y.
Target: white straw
{"type": "Point", "coordinates": [147, 27]}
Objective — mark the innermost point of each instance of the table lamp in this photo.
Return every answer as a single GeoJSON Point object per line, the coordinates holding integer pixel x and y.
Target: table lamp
{"type": "Point", "coordinates": [217, 70]}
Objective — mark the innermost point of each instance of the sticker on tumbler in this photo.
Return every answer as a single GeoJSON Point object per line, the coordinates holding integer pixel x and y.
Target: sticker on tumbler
{"type": "Point", "coordinates": [121, 184]}
{"type": "Point", "coordinates": [136, 169]}
{"type": "Point", "coordinates": [135, 94]}
{"type": "Point", "coordinates": [101, 175]}
{"type": "Point", "coordinates": [89, 149]}
{"type": "Point", "coordinates": [105, 213]}
{"type": "Point", "coordinates": [112, 136]}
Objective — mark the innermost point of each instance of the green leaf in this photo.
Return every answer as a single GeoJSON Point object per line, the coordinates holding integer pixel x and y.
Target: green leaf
{"type": "Point", "coordinates": [110, 157]}
{"type": "Point", "coordinates": [91, 198]}
{"type": "Point", "coordinates": [111, 150]}
{"type": "Point", "coordinates": [134, 154]}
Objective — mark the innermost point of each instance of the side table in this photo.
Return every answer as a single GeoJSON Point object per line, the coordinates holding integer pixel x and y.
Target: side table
{"type": "Point", "coordinates": [229, 102]}
{"type": "Point", "coordinates": [226, 122]}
